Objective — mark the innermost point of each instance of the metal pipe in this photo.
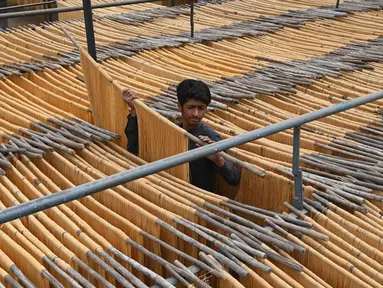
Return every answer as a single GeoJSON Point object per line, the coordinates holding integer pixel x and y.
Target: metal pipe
{"type": "Point", "coordinates": [192, 19]}
{"type": "Point", "coordinates": [88, 18]}
{"type": "Point", "coordinates": [26, 5]}
{"type": "Point", "coordinates": [70, 9]}
{"type": "Point", "coordinates": [90, 188]}
{"type": "Point", "coordinates": [337, 3]}
{"type": "Point", "coordinates": [298, 197]}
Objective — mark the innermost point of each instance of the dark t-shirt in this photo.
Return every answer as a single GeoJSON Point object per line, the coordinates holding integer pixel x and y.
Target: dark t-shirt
{"type": "Point", "coordinates": [201, 170]}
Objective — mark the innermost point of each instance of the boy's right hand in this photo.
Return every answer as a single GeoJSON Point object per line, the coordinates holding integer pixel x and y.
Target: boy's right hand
{"type": "Point", "coordinates": [129, 96]}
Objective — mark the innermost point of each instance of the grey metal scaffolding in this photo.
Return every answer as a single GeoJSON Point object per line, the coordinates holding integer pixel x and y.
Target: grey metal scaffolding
{"type": "Point", "coordinates": [99, 185]}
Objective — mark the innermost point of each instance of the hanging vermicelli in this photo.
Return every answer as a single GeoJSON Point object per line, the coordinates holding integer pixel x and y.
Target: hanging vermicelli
{"type": "Point", "coordinates": [24, 261]}
{"type": "Point", "coordinates": [240, 60]}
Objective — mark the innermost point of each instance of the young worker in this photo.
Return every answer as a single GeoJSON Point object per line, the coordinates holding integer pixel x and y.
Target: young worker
{"type": "Point", "coordinates": [193, 98]}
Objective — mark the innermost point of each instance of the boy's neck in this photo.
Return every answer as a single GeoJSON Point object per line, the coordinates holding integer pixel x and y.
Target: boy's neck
{"type": "Point", "coordinates": [186, 126]}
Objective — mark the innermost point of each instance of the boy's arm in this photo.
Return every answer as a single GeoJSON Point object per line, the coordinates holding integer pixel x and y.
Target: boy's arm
{"type": "Point", "coordinates": [229, 172]}
{"type": "Point", "coordinates": [131, 129]}
{"type": "Point", "coordinates": [131, 132]}
{"type": "Point", "coordinates": [224, 167]}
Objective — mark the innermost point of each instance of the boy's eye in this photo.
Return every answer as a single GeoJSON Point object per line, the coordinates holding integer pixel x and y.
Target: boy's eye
{"type": "Point", "coordinates": [194, 107]}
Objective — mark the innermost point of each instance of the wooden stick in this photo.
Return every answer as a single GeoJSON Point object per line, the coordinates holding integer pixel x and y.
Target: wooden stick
{"type": "Point", "coordinates": [310, 208]}
{"type": "Point", "coordinates": [63, 131]}
{"type": "Point", "coordinates": [12, 150]}
{"type": "Point", "coordinates": [237, 253]}
{"type": "Point", "coordinates": [235, 228]}
{"type": "Point", "coordinates": [92, 131]}
{"type": "Point", "coordinates": [316, 204]}
{"type": "Point", "coordinates": [94, 134]}
{"type": "Point", "coordinates": [74, 130]}
{"type": "Point", "coordinates": [311, 233]}
{"type": "Point", "coordinates": [343, 171]}
{"type": "Point", "coordinates": [182, 254]}
{"type": "Point", "coordinates": [226, 228]}
{"type": "Point", "coordinates": [256, 230]}
{"type": "Point", "coordinates": [213, 265]}
{"type": "Point", "coordinates": [178, 276]}
{"type": "Point", "coordinates": [4, 162]}
{"type": "Point", "coordinates": [145, 271]}
{"type": "Point", "coordinates": [94, 127]}
{"type": "Point", "coordinates": [276, 227]}
{"type": "Point", "coordinates": [122, 270]}
{"type": "Point", "coordinates": [297, 247]}
{"type": "Point", "coordinates": [12, 282]}
{"type": "Point", "coordinates": [245, 208]}
{"type": "Point", "coordinates": [204, 248]}
{"type": "Point", "coordinates": [195, 279]}
{"type": "Point", "coordinates": [60, 272]}
{"type": "Point", "coordinates": [28, 143]}
{"type": "Point", "coordinates": [355, 151]}
{"type": "Point", "coordinates": [233, 258]}
{"type": "Point", "coordinates": [21, 277]}
{"type": "Point", "coordinates": [328, 188]}
{"type": "Point", "coordinates": [92, 273]}
{"type": "Point", "coordinates": [119, 278]}
{"type": "Point", "coordinates": [19, 143]}
{"type": "Point", "coordinates": [341, 202]}
{"type": "Point", "coordinates": [63, 144]}
{"type": "Point", "coordinates": [342, 161]}
{"type": "Point", "coordinates": [234, 244]}
{"type": "Point", "coordinates": [79, 278]}
{"type": "Point", "coordinates": [70, 37]}
{"type": "Point", "coordinates": [51, 279]}
{"type": "Point", "coordinates": [27, 153]}
{"type": "Point", "coordinates": [160, 260]}
{"type": "Point", "coordinates": [370, 185]}
{"type": "Point", "coordinates": [48, 128]}
{"type": "Point", "coordinates": [339, 183]}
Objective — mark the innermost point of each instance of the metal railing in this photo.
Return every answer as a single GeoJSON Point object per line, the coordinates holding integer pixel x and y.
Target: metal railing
{"type": "Point", "coordinates": [88, 18]}
{"type": "Point", "coordinates": [71, 9]}
{"type": "Point", "coordinates": [22, 6]}
{"type": "Point", "coordinates": [87, 7]}
{"type": "Point", "coordinates": [98, 185]}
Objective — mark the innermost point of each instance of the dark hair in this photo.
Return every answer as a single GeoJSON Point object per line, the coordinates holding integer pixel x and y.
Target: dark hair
{"type": "Point", "coordinates": [193, 89]}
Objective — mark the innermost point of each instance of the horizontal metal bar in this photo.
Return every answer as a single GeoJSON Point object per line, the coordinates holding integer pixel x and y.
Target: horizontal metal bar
{"type": "Point", "coordinates": [98, 185]}
{"type": "Point", "coordinates": [70, 9]}
{"type": "Point", "coordinates": [26, 5]}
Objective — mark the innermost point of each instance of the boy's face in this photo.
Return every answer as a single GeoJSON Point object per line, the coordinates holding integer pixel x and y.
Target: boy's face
{"type": "Point", "coordinates": [193, 111]}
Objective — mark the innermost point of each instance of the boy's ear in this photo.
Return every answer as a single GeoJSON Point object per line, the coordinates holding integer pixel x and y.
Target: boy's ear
{"type": "Point", "coordinates": [179, 106]}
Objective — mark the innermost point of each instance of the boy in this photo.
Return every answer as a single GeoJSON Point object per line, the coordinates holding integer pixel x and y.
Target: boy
{"type": "Point", "coordinates": [193, 98]}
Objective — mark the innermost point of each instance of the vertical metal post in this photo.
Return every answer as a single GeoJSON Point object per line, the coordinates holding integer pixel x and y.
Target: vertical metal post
{"type": "Point", "coordinates": [337, 3]}
{"type": "Point", "coordinates": [54, 16]}
{"type": "Point", "coordinates": [192, 19]}
{"type": "Point", "coordinates": [46, 17]}
{"type": "Point", "coordinates": [173, 3]}
{"type": "Point", "coordinates": [89, 28]}
{"type": "Point", "coordinates": [3, 22]}
{"type": "Point", "coordinates": [298, 197]}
